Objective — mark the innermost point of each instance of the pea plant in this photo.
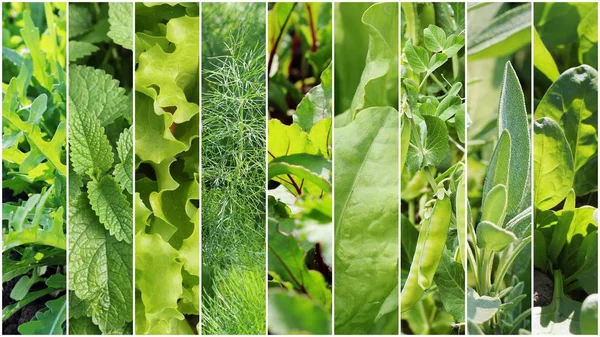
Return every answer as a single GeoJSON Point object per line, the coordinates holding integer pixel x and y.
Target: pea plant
{"type": "Point", "coordinates": [433, 254]}
{"type": "Point", "coordinates": [566, 170]}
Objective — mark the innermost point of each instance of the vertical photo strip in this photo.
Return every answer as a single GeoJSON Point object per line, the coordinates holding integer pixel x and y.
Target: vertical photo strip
{"type": "Point", "coordinates": [100, 168]}
{"type": "Point", "coordinates": [499, 221]}
{"type": "Point", "coordinates": [565, 168]}
{"type": "Point", "coordinates": [34, 168]}
{"type": "Point", "coordinates": [299, 171]}
{"type": "Point", "coordinates": [233, 168]}
{"type": "Point", "coordinates": [366, 156]}
{"type": "Point", "coordinates": [167, 177]}
{"type": "Point", "coordinates": [433, 256]}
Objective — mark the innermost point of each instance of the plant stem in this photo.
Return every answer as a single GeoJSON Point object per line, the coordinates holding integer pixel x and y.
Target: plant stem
{"type": "Point", "coordinates": [518, 320]}
{"type": "Point", "coordinates": [276, 44]}
{"type": "Point", "coordinates": [509, 261]}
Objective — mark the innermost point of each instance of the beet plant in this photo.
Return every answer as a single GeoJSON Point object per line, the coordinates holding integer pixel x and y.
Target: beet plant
{"type": "Point", "coordinates": [299, 170]}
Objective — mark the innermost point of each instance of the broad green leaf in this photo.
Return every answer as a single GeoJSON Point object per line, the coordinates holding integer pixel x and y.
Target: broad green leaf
{"type": "Point", "coordinates": [512, 116]}
{"type": "Point", "coordinates": [571, 101]}
{"type": "Point", "coordinates": [111, 207]}
{"type": "Point", "coordinates": [190, 248]}
{"type": "Point", "coordinates": [80, 20]}
{"type": "Point", "coordinates": [453, 45]}
{"type": "Point", "coordinates": [561, 317]}
{"type": "Point", "coordinates": [158, 311]}
{"type": "Point", "coordinates": [380, 74]}
{"type": "Point", "coordinates": [47, 321]}
{"type": "Point", "coordinates": [286, 265]}
{"type": "Point", "coordinates": [481, 309]}
{"type": "Point", "coordinates": [436, 61]}
{"type": "Point", "coordinates": [366, 175]}
{"type": "Point", "coordinates": [96, 92]}
{"type": "Point", "coordinates": [553, 171]}
{"type": "Point", "coordinates": [153, 138]}
{"type": "Point", "coordinates": [559, 234]}
{"type": "Point", "coordinates": [317, 104]}
{"type": "Point", "coordinates": [170, 86]}
{"type": "Point", "coordinates": [91, 152]}
{"type": "Point", "coordinates": [542, 59]}
{"type": "Point", "coordinates": [291, 313]}
{"type": "Point", "coordinates": [307, 167]}
{"type": "Point", "coordinates": [100, 268]}
{"type": "Point", "coordinates": [434, 38]}
{"type": "Point", "coordinates": [588, 38]}
{"type": "Point", "coordinates": [494, 205]}
{"type": "Point", "coordinates": [434, 147]}
{"type": "Point", "coordinates": [79, 50]}
{"type": "Point", "coordinates": [417, 57]}
{"type": "Point", "coordinates": [123, 172]}
{"type": "Point", "coordinates": [492, 237]}
{"type": "Point", "coordinates": [82, 326]}
{"type": "Point", "coordinates": [120, 17]}
{"type": "Point", "coordinates": [450, 280]}
{"type": "Point", "coordinates": [507, 33]}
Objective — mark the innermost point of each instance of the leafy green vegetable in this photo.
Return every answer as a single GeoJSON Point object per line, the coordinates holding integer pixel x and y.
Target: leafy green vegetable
{"type": "Point", "coordinates": [300, 169]}
{"type": "Point", "coordinates": [167, 224]}
{"type": "Point", "coordinates": [33, 168]}
{"type": "Point", "coordinates": [366, 171]}
{"type": "Point", "coordinates": [100, 207]}
{"type": "Point", "coordinates": [565, 170]}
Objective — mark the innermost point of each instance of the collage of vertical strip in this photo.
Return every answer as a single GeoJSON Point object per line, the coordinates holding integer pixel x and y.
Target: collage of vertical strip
{"type": "Point", "coordinates": [451, 189]}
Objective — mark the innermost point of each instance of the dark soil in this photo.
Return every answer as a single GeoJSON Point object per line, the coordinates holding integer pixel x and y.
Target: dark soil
{"type": "Point", "coordinates": [26, 314]}
{"type": "Point", "coordinates": [543, 288]}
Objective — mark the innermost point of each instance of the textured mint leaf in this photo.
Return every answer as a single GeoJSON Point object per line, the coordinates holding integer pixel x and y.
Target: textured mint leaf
{"type": "Point", "coordinates": [80, 20]}
{"type": "Point", "coordinates": [97, 92]}
{"type": "Point", "coordinates": [79, 50]}
{"type": "Point", "coordinates": [111, 207]}
{"type": "Point", "coordinates": [120, 18]}
{"type": "Point", "coordinates": [90, 150]}
{"type": "Point", "coordinates": [100, 268]}
{"type": "Point", "coordinates": [124, 170]}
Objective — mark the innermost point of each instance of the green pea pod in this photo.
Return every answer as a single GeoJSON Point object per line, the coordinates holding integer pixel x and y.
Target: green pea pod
{"type": "Point", "coordinates": [428, 253]}
{"type": "Point", "coordinates": [461, 217]}
{"type": "Point", "coordinates": [494, 205]}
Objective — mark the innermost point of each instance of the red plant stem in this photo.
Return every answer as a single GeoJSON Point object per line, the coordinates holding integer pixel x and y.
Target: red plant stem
{"type": "Point", "coordinates": [276, 44]}
{"type": "Point", "coordinates": [292, 181]}
{"type": "Point", "coordinates": [312, 28]}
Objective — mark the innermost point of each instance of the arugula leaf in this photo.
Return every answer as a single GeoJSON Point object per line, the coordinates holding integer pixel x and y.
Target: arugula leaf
{"type": "Point", "coordinates": [49, 321]}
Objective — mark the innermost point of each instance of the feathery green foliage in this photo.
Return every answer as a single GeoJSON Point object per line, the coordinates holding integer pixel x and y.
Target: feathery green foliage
{"type": "Point", "coordinates": [233, 168]}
